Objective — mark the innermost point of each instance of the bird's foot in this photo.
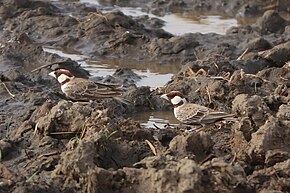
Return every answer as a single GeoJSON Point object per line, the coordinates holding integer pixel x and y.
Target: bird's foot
{"type": "Point", "coordinates": [196, 129]}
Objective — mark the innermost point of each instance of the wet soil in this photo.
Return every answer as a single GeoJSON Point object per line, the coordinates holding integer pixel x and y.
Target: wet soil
{"type": "Point", "coordinates": [51, 144]}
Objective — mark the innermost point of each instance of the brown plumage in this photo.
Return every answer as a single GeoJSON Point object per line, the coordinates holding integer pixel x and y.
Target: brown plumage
{"type": "Point", "coordinates": [194, 114]}
{"type": "Point", "coordinates": [80, 89]}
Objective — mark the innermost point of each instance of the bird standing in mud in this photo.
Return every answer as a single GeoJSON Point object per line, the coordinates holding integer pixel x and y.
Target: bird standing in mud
{"type": "Point", "coordinates": [194, 114]}
{"type": "Point", "coordinates": [80, 89]}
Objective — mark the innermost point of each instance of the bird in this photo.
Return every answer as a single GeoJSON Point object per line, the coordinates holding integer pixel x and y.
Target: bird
{"type": "Point", "coordinates": [81, 89]}
{"type": "Point", "coordinates": [194, 114]}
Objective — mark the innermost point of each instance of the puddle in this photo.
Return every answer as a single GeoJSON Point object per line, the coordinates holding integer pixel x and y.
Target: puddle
{"type": "Point", "coordinates": [148, 119]}
{"type": "Point", "coordinates": [153, 75]}
{"type": "Point", "coordinates": [177, 24]}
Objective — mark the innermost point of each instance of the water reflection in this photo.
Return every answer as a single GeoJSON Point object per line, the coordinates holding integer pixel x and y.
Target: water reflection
{"type": "Point", "coordinates": [159, 118]}
{"type": "Point", "coordinates": [177, 24]}
{"type": "Point", "coordinates": [153, 75]}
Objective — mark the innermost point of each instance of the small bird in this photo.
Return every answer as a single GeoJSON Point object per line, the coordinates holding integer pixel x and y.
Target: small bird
{"type": "Point", "coordinates": [194, 114]}
{"type": "Point", "coordinates": [81, 89]}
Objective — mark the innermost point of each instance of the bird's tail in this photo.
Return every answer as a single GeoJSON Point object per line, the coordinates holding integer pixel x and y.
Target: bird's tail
{"type": "Point", "coordinates": [230, 117]}
{"type": "Point", "coordinates": [115, 87]}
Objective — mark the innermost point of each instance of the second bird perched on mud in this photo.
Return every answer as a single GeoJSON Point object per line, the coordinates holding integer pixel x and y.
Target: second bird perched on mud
{"type": "Point", "coordinates": [194, 114]}
{"type": "Point", "coordinates": [81, 89]}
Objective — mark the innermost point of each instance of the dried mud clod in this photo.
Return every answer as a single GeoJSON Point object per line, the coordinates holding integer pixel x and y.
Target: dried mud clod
{"type": "Point", "coordinates": [50, 144]}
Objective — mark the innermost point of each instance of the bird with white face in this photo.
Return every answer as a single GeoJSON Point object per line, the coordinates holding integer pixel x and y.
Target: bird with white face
{"type": "Point", "coordinates": [194, 114]}
{"type": "Point", "coordinates": [80, 89]}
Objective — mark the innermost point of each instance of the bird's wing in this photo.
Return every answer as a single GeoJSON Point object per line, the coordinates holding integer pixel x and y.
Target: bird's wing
{"type": "Point", "coordinates": [192, 113]}
{"type": "Point", "coordinates": [116, 87]}
{"type": "Point", "coordinates": [214, 116]}
{"type": "Point", "coordinates": [84, 89]}
{"type": "Point", "coordinates": [197, 114]}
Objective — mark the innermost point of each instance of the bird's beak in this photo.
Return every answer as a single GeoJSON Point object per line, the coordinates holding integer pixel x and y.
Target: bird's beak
{"type": "Point", "coordinates": [164, 96]}
{"type": "Point", "coordinates": [52, 74]}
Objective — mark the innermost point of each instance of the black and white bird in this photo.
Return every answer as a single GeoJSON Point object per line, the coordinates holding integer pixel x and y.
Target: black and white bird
{"type": "Point", "coordinates": [194, 114]}
{"type": "Point", "coordinates": [81, 89]}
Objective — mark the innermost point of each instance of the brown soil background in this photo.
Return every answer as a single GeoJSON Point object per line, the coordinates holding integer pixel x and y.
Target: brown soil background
{"type": "Point", "coordinates": [100, 149]}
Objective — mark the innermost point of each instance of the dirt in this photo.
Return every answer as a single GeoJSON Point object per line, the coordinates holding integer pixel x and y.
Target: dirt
{"type": "Point", "coordinates": [51, 144]}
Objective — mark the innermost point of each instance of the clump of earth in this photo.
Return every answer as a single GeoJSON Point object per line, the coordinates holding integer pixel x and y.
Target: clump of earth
{"type": "Point", "coordinates": [51, 144]}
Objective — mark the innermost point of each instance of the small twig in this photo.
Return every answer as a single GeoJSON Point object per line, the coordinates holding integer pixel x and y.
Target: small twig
{"type": "Point", "coordinates": [198, 89]}
{"type": "Point", "coordinates": [201, 72]}
{"type": "Point", "coordinates": [218, 78]}
{"type": "Point", "coordinates": [234, 158]}
{"type": "Point", "coordinates": [84, 130]}
{"type": "Point", "coordinates": [209, 157]}
{"type": "Point", "coordinates": [48, 65]}
{"type": "Point", "coordinates": [64, 133]}
{"type": "Point", "coordinates": [111, 134]}
{"type": "Point", "coordinates": [208, 93]}
{"type": "Point", "coordinates": [155, 126]}
{"type": "Point", "coordinates": [151, 147]}
{"type": "Point", "coordinates": [6, 88]}
{"type": "Point", "coordinates": [190, 72]}
{"type": "Point", "coordinates": [35, 129]}
{"type": "Point", "coordinates": [253, 75]}
{"type": "Point", "coordinates": [243, 54]}
{"type": "Point", "coordinates": [32, 176]}
{"type": "Point", "coordinates": [215, 64]}
{"type": "Point", "coordinates": [8, 126]}
{"type": "Point", "coordinates": [48, 154]}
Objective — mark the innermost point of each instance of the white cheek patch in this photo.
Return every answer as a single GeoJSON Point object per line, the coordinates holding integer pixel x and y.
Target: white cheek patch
{"type": "Point", "coordinates": [175, 100]}
{"type": "Point", "coordinates": [52, 74]}
{"type": "Point", "coordinates": [62, 78]}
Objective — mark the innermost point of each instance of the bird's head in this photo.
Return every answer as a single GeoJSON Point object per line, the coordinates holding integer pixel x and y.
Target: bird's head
{"type": "Point", "coordinates": [62, 75]}
{"type": "Point", "coordinates": [176, 98]}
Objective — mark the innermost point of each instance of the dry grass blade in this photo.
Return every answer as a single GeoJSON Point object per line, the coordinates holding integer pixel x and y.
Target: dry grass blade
{"type": "Point", "coordinates": [84, 130]}
{"type": "Point", "coordinates": [111, 134]}
{"type": "Point", "coordinates": [6, 88]}
{"type": "Point", "coordinates": [255, 76]}
{"type": "Point", "coordinates": [190, 72]}
{"type": "Point", "coordinates": [208, 94]}
{"type": "Point", "coordinates": [32, 176]}
{"type": "Point", "coordinates": [48, 154]}
{"type": "Point", "coordinates": [35, 129]}
{"type": "Point", "coordinates": [151, 147]}
{"type": "Point", "coordinates": [64, 133]}
{"type": "Point", "coordinates": [243, 54]}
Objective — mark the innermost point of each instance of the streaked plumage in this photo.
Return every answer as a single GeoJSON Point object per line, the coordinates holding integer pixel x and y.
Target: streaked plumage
{"type": "Point", "coordinates": [194, 114]}
{"type": "Point", "coordinates": [80, 89]}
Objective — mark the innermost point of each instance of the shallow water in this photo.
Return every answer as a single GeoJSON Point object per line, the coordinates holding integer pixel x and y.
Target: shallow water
{"type": "Point", "coordinates": [160, 119]}
{"type": "Point", "coordinates": [152, 75]}
{"type": "Point", "coordinates": [177, 24]}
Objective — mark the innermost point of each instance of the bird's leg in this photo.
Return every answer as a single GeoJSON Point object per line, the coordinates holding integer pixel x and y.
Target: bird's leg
{"type": "Point", "coordinates": [219, 125]}
{"type": "Point", "coordinates": [196, 129]}
{"type": "Point", "coordinates": [167, 126]}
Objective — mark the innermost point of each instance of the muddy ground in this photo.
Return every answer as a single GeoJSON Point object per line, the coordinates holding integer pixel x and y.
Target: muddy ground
{"type": "Point", "coordinates": [50, 144]}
